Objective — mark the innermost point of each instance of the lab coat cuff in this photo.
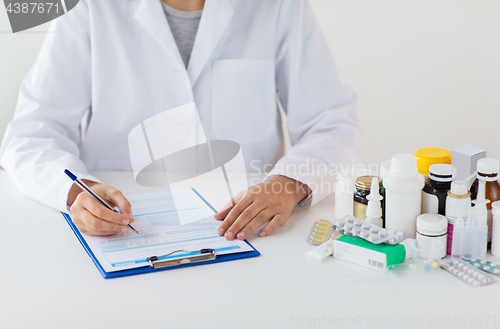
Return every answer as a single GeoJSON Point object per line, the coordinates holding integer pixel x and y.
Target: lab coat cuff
{"type": "Point", "coordinates": [66, 187]}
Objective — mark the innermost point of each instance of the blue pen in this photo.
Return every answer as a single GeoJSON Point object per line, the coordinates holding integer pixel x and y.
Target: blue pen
{"type": "Point", "coordinates": [87, 189]}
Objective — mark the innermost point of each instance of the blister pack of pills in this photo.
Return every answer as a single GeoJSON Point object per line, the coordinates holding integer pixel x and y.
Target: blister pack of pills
{"type": "Point", "coordinates": [320, 232]}
{"type": "Point", "coordinates": [486, 266]}
{"type": "Point", "coordinates": [467, 273]}
{"type": "Point", "coordinates": [352, 226]}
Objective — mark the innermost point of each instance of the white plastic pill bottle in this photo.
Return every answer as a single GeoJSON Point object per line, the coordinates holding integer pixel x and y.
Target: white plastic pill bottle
{"type": "Point", "coordinates": [495, 232]}
{"type": "Point", "coordinates": [432, 227]}
{"type": "Point", "coordinates": [403, 194]}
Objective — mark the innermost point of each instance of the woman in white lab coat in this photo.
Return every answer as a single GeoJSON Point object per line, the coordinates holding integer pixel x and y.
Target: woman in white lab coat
{"type": "Point", "coordinates": [111, 64]}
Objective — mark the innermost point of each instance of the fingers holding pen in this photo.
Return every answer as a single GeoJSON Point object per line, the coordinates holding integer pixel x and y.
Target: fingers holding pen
{"type": "Point", "coordinates": [90, 216]}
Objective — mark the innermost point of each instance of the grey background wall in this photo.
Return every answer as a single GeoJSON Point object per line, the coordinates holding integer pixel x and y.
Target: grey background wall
{"type": "Point", "coordinates": [427, 72]}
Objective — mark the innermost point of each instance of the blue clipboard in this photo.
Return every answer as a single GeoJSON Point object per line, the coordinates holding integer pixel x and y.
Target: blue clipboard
{"type": "Point", "coordinates": [147, 269]}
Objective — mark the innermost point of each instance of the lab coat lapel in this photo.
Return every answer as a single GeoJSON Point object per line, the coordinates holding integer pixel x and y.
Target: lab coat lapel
{"type": "Point", "coordinates": [215, 19]}
{"type": "Point", "coordinates": [151, 16]}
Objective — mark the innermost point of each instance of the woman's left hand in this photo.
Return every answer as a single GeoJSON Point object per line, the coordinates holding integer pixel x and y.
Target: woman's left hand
{"type": "Point", "coordinates": [272, 200]}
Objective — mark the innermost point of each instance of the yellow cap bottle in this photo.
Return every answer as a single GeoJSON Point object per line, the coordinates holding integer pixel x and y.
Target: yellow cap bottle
{"type": "Point", "coordinates": [428, 156]}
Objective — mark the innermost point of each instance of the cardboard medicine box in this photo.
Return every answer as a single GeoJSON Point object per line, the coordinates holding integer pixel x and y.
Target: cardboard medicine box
{"type": "Point", "coordinates": [365, 253]}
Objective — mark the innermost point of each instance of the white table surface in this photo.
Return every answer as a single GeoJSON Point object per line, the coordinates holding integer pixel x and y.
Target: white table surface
{"type": "Point", "coordinates": [48, 281]}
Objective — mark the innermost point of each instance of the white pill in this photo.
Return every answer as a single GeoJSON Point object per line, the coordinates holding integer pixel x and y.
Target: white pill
{"type": "Point", "coordinates": [460, 265]}
{"type": "Point", "coordinates": [356, 230]}
{"type": "Point", "coordinates": [496, 270]}
{"type": "Point", "coordinates": [455, 262]}
{"type": "Point", "coordinates": [483, 262]}
{"type": "Point", "coordinates": [473, 260]}
{"type": "Point", "coordinates": [493, 264]}
{"type": "Point", "coordinates": [366, 226]}
{"type": "Point", "coordinates": [340, 222]}
{"type": "Point", "coordinates": [477, 264]}
{"type": "Point", "coordinates": [471, 280]}
{"type": "Point", "coordinates": [358, 222]}
{"type": "Point", "coordinates": [349, 226]}
{"type": "Point", "coordinates": [351, 219]}
{"type": "Point", "coordinates": [460, 274]}
{"type": "Point", "coordinates": [374, 229]}
{"type": "Point", "coordinates": [399, 234]}
{"type": "Point", "coordinates": [466, 277]}
{"type": "Point", "coordinates": [476, 283]}
{"type": "Point", "coordinates": [486, 267]}
{"type": "Point", "coordinates": [382, 233]}
{"type": "Point", "coordinates": [481, 276]}
{"type": "Point", "coordinates": [373, 237]}
{"type": "Point", "coordinates": [392, 241]}
{"type": "Point", "coordinates": [365, 234]}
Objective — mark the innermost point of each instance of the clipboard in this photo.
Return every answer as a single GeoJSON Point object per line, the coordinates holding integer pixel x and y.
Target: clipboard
{"type": "Point", "coordinates": [205, 256]}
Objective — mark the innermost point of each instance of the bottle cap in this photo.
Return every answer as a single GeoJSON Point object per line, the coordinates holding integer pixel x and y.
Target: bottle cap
{"type": "Point", "coordinates": [442, 172]}
{"type": "Point", "coordinates": [403, 164]}
{"type": "Point", "coordinates": [374, 208]}
{"type": "Point", "coordinates": [487, 166]}
{"type": "Point", "coordinates": [384, 168]}
{"type": "Point", "coordinates": [432, 224]}
{"type": "Point", "coordinates": [428, 156]}
{"type": "Point", "coordinates": [365, 182]}
{"type": "Point", "coordinates": [459, 187]}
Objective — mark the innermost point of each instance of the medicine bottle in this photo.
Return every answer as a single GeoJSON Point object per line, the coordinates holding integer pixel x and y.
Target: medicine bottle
{"type": "Point", "coordinates": [458, 203]}
{"type": "Point", "coordinates": [436, 188]}
{"type": "Point", "coordinates": [432, 227]}
{"type": "Point", "coordinates": [403, 194]}
{"type": "Point", "coordinates": [344, 191]}
{"type": "Point", "coordinates": [487, 171]}
{"type": "Point", "coordinates": [428, 156]}
{"type": "Point", "coordinates": [363, 185]}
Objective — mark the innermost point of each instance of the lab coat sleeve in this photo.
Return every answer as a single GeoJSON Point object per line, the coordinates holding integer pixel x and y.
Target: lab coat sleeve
{"type": "Point", "coordinates": [321, 111]}
{"type": "Point", "coordinates": [44, 137]}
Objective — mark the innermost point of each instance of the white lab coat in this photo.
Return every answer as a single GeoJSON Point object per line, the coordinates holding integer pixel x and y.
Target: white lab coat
{"type": "Point", "coordinates": [118, 60]}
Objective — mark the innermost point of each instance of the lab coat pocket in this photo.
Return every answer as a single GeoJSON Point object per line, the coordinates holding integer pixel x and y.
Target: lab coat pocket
{"type": "Point", "coordinates": [244, 104]}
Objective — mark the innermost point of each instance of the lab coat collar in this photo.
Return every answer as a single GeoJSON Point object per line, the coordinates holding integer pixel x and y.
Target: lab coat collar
{"type": "Point", "coordinates": [151, 16]}
{"type": "Point", "coordinates": [215, 19]}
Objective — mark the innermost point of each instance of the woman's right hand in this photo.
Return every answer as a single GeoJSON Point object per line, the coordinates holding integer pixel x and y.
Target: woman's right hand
{"type": "Point", "coordinates": [92, 218]}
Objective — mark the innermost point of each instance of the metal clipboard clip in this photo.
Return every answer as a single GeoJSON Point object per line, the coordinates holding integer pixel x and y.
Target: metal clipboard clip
{"type": "Point", "coordinates": [203, 256]}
